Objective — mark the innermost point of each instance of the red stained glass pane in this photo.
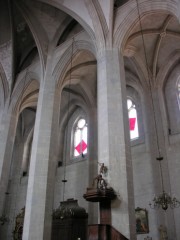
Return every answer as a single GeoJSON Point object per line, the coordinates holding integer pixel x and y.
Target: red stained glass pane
{"type": "Point", "coordinates": [132, 122]}
{"type": "Point", "coordinates": [81, 147]}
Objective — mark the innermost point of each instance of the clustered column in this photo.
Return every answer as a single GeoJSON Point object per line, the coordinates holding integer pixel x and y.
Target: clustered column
{"type": "Point", "coordinates": [39, 202]}
{"type": "Point", "coordinates": [113, 138]}
{"type": "Point", "coordinates": [7, 138]}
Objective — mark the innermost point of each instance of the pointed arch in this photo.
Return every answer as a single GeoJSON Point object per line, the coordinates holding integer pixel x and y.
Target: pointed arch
{"type": "Point", "coordinates": [127, 16]}
{"type": "Point", "coordinates": [61, 66]}
{"type": "Point", "coordinates": [99, 22]}
{"type": "Point", "coordinates": [3, 85]}
{"type": "Point", "coordinates": [37, 31]}
{"type": "Point", "coordinates": [88, 26]}
{"type": "Point", "coordinates": [25, 92]}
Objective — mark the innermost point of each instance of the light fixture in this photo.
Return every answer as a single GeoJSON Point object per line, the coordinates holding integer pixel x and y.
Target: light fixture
{"type": "Point", "coordinates": [163, 200]}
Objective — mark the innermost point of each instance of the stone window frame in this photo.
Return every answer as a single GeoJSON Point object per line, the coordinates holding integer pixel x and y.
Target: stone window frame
{"type": "Point", "coordinates": [171, 92]}
{"type": "Point", "coordinates": [135, 97]}
{"type": "Point", "coordinates": [74, 129]}
{"type": "Point", "coordinates": [69, 138]}
{"type": "Point", "coordinates": [135, 108]}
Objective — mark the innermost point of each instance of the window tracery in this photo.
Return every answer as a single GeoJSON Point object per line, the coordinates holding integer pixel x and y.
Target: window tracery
{"type": "Point", "coordinates": [133, 121]}
{"type": "Point", "coordinates": [172, 101]}
{"type": "Point", "coordinates": [80, 138]}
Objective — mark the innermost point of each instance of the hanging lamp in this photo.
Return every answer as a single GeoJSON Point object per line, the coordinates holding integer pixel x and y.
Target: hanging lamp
{"type": "Point", "coordinates": [163, 200]}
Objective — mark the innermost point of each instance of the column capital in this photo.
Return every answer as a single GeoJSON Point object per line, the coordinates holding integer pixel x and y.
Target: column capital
{"type": "Point", "coordinates": [102, 53]}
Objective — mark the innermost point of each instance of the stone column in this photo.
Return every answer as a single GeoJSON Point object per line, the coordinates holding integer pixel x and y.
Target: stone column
{"type": "Point", "coordinates": [25, 158]}
{"type": "Point", "coordinates": [92, 158]}
{"type": "Point", "coordinates": [7, 137]}
{"type": "Point", "coordinates": [113, 138]}
{"type": "Point", "coordinates": [40, 193]}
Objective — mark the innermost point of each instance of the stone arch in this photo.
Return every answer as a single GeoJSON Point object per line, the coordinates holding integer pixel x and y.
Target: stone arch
{"type": "Point", "coordinates": [78, 102]}
{"type": "Point", "coordinates": [73, 14]}
{"type": "Point", "coordinates": [171, 100]}
{"type": "Point", "coordinates": [128, 17]}
{"type": "Point", "coordinates": [61, 67]}
{"type": "Point", "coordinates": [30, 101]}
{"type": "Point", "coordinates": [162, 76]}
{"type": "Point", "coordinates": [61, 30]}
{"type": "Point", "coordinates": [3, 85]}
{"type": "Point", "coordinates": [25, 93]}
{"type": "Point", "coordinates": [167, 68]}
{"type": "Point", "coordinates": [90, 101]}
{"type": "Point", "coordinates": [136, 93]}
{"type": "Point", "coordinates": [133, 81]}
{"type": "Point", "coordinates": [37, 31]}
{"type": "Point", "coordinates": [99, 23]}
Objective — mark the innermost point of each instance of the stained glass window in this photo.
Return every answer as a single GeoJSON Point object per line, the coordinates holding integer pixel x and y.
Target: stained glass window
{"type": "Point", "coordinates": [133, 123]}
{"type": "Point", "coordinates": [80, 138]}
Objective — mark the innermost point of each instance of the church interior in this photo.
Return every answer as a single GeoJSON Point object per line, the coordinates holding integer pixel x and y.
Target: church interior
{"type": "Point", "coordinates": [90, 120]}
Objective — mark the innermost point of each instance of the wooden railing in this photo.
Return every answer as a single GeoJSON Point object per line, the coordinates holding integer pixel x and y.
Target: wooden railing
{"type": "Point", "coordinates": [104, 232]}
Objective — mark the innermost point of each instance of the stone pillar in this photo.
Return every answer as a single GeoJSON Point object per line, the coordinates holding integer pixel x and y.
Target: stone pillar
{"type": "Point", "coordinates": [113, 138]}
{"type": "Point", "coordinates": [40, 193]}
{"type": "Point", "coordinates": [26, 156]}
{"type": "Point", "coordinates": [7, 137]}
{"type": "Point", "coordinates": [92, 158]}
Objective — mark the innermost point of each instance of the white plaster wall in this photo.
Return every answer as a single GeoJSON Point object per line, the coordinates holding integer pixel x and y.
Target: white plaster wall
{"type": "Point", "coordinates": [172, 143]}
{"type": "Point", "coordinates": [173, 153]}
{"type": "Point", "coordinates": [143, 186]}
